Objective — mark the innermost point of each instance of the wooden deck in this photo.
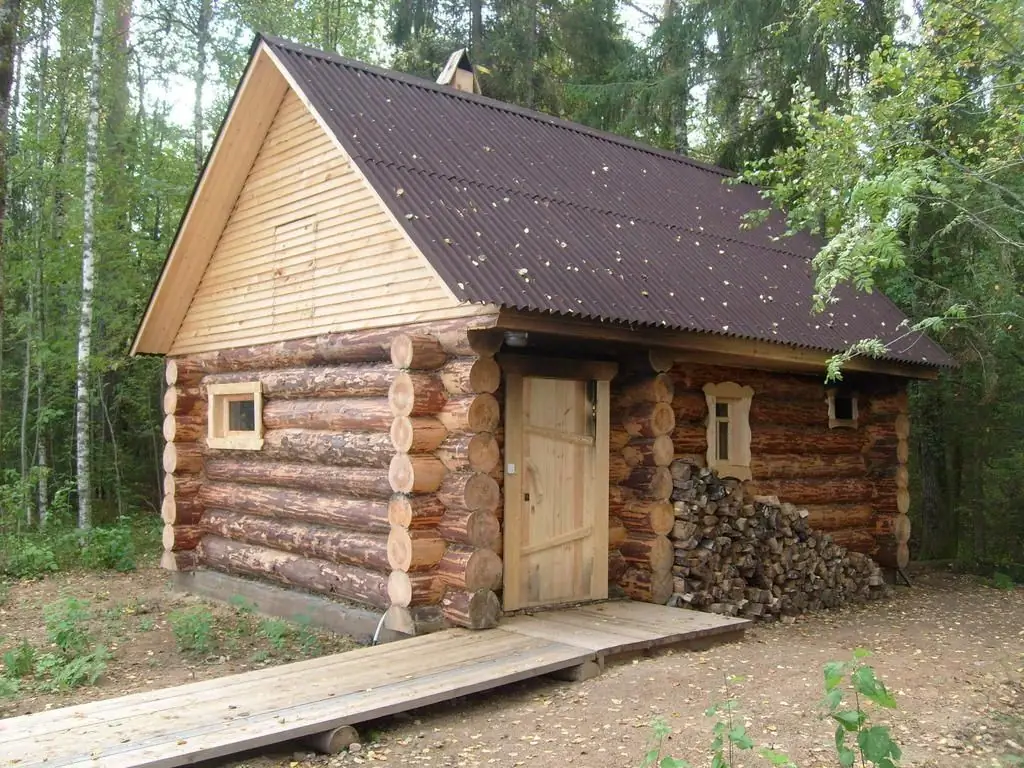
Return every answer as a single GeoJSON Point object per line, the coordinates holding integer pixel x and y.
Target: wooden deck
{"type": "Point", "coordinates": [185, 724]}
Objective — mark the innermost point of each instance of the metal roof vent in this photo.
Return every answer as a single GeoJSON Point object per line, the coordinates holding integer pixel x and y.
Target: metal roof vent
{"type": "Point", "coordinates": [459, 73]}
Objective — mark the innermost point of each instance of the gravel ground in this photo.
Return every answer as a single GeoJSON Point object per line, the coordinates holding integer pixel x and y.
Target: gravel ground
{"type": "Point", "coordinates": [951, 649]}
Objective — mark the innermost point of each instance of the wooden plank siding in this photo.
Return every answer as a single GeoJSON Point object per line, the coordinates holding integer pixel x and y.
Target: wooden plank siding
{"type": "Point", "coordinates": [308, 249]}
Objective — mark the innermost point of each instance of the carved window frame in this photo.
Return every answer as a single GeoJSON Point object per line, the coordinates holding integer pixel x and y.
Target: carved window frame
{"type": "Point", "coordinates": [836, 423]}
{"type": "Point", "coordinates": [219, 399]}
{"type": "Point", "coordinates": [737, 399]}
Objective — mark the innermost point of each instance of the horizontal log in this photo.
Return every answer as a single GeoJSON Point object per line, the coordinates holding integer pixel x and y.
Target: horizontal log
{"type": "Point", "coordinates": [414, 550]}
{"type": "Point", "coordinates": [653, 452]}
{"type": "Point", "coordinates": [182, 486]}
{"type": "Point", "coordinates": [369, 346]}
{"type": "Point", "coordinates": [424, 511]}
{"type": "Point", "coordinates": [661, 360]}
{"type": "Point", "coordinates": [412, 589]}
{"type": "Point", "coordinates": [647, 419]}
{"type": "Point", "coordinates": [182, 372]}
{"type": "Point", "coordinates": [880, 407]}
{"type": "Point", "coordinates": [764, 383]}
{"type": "Point", "coordinates": [182, 401]}
{"type": "Point", "coordinates": [461, 339]}
{"type": "Point", "coordinates": [470, 569]}
{"type": "Point", "coordinates": [474, 610]}
{"type": "Point", "coordinates": [652, 482]}
{"type": "Point", "coordinates": [365, 380]}
{"type": "Point", "coordinates": [618, 469]}
{"type": "Point", "coordinates": [181, 511]}
{"type": "Point", "coordinates": [179, 537]}
{"type": "Point", "coordinates": [892, 554]}
{"type": "Point", "coordinates": [650, 388]}
{"type": "Point", "coordinates": [348, 582]}
{"type": "Point", "coordinates": [365, 515]}
{"type": "Point", "coordinates": [641, 515]}
{"type": "Point", "coordinates": [617, 566]}
{"type": "Point", "coordinates": [325, 542]}
{"type": "Point", "coordinates": [901, 529]}
{"type": "Point", "coordinates": [470, 453]}
{"type": "Point", "coordinates": [416, 393]}
{"type": "Point", "coordinates": [817, 491]}
{"type": "Point", "coordinates": [183, 458]}
{"type": "Point", "coordinates": [474, 529]}
{"type": "Point", "coordinates": [415, 474]}
{"type": "Point", "coordinates": [184, 429]}
{"type": "Point", "coordinates": [340, 449]}
{"type": "Point", "coordinates": [783, 440]}
{"type": "Point", "coordinates": [690, 405]}
{"type": "Point", "coordinates": [329, 414]}
{"type": "Point", "coordinates": [861, 540]}
{"type": "Point", "coordinates": [765, 466]}
{"type": "Point", "coordinates": [902, 500]}
{"type": "Point", "coordinates": [180, 561]}
{"type": "Point", "coordinates": [902, 426]}
{"type": "Point", "coordinates": [617, 533]}
{"type": "Point", "coordinates": [788, 411]}
{"type": "Point", "coordinates": [470, 376]}
{"type": "Point", "coordinates": [417, 352]}
{"type": "Point", "coordinates": [352, 482]}
{"type": "Point", "coordinates": [475, 492]}
{"type": "Point", "coordinates": [416, 434]}
{"type": "Point", "coordinates": [647, 587]}
{"type": "Point", "coordinates": [471, 413]}
{"type": "Point", "coordinates": [834, 517]}
{"type": "Point", "coordinates": [690, 438]}
{"type": "Point", "coordinates": [652, 553]}
{"type": "Point", "coordinates": [618, 438]}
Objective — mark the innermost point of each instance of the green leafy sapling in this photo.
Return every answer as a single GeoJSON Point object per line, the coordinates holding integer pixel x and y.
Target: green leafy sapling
{"type": "Point", "coordinates": [874, 744]}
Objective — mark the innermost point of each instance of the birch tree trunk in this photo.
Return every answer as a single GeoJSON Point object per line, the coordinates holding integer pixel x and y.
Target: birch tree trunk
{"type": "Point", "coordinates": [202, 45]}
{"type": "Point", "coordinates": [82, 388]}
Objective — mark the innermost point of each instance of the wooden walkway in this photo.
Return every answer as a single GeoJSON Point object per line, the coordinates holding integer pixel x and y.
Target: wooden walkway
{"type": "Point", "coordinates": [187, 723]}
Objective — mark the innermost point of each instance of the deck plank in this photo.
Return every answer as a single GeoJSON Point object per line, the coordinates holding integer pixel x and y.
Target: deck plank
{"type": "Point", "coordinates": [216, 718]}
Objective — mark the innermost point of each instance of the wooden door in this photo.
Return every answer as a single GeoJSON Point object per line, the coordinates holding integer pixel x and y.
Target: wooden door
{"type": "Point", "coordinates": [556, 491]}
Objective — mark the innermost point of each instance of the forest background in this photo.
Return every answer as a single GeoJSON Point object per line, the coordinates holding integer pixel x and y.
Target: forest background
{"type": "Point", "coordinates": [895, 129]}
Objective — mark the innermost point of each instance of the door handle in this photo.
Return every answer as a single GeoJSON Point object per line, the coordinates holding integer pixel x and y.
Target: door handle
{"type": "Point", "coordinates": [526, 497]}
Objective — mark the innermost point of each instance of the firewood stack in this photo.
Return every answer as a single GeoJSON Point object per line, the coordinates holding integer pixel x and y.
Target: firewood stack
{"type": "Point", "coordinates": [754, 556]}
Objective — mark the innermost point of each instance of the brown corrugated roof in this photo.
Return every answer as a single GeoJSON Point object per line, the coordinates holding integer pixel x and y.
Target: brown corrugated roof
{"type": "Point", "coordinates": [526, 211]}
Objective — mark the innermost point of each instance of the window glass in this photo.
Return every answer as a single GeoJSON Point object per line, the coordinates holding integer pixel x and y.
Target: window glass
{"type": "Point", "coordinates": [241, 415]}
{"type": "Point", "coordinates": [723, 441]}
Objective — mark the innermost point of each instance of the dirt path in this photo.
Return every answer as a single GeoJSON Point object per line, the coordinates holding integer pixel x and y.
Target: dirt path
{"type": "Point", "coordinates": [951, 649]}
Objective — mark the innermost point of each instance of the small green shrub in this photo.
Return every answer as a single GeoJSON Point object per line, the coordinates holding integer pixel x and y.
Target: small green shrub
{"type": "Point", "coordinates": [65, 626]}
{"type": "Point", "coordinates": [875, 745]}
{"type": "Point", "coordinates": [1002, 580]}
{"type": "Point", "coordinates": [193, 629]}
{"type": "Point", "coordinates": [5, 593]}
{"type": "Point", "coordinates": [27, 559]}
{"type": "Point", "coordinates": [8, 688]}
{"type": "Point", "coordinates": [109, 549]}
{"type": "Point", "coordinates": [61, 674]}
{"type": "Point", "coordinates": [276, 632]}
{"type": "Point", "coordinates": [242, 604]}
{"type": "Point", "coordinates": [19, 662]}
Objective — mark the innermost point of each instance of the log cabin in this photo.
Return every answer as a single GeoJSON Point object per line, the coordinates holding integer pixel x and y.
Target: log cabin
{"type": "Point", "coordinates": [434, 354]}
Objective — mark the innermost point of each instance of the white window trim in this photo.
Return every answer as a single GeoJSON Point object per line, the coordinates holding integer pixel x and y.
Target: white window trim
{"type": "Point", "coordinates": [217, 433]}
{"type": "Point", "coordinates": [738, 398]}
{"type": "Point", "coordinates": [833, 422]}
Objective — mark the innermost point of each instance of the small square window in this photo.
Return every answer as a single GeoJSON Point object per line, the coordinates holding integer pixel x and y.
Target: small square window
{"type": "Point", "coordinates": [842, 409]}
{"type": "Point", "coordinates": [235, 416]}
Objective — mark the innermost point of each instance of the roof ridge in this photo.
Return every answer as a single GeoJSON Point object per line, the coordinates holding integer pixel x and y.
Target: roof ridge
{"type": "Point", "coordinates": [497, 104]}
{"type": "Point", "coordinates": [581, 206]}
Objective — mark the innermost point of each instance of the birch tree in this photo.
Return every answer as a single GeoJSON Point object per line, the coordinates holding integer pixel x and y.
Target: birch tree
{"type": "Point", "coordinates": [83, 393]}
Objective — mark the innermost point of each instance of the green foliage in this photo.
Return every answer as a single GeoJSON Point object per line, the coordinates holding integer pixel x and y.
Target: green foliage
{"type": "Point", "coordinates": [66, 628]}
{"type": "Point", "coordinates": [874, 743]}
{"type": "Point", "coordinates": [242, 604]}
{"type": "Point", "coordinates": [1002, 580]}
{"type": "Point", "coordinates": [9, 688]}
{"type": "Point", "coordinates": [193, 629]}
{"type": "Point", "coordinates": [110, 548]}
{"type": "Point", "coordinates": [276, 631]}
{"type": "Point", "coordinates": [19, 662]}
{"type": "Point", "coordinates": [26, 559]}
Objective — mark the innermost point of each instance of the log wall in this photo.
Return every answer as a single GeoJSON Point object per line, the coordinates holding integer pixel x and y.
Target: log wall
{"type": "Point", "coordinates": [640, 514]}
{"type": "Point", "coordinates": [376, 480]}
{"type": "Point", "coordinates": [852, 481]}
